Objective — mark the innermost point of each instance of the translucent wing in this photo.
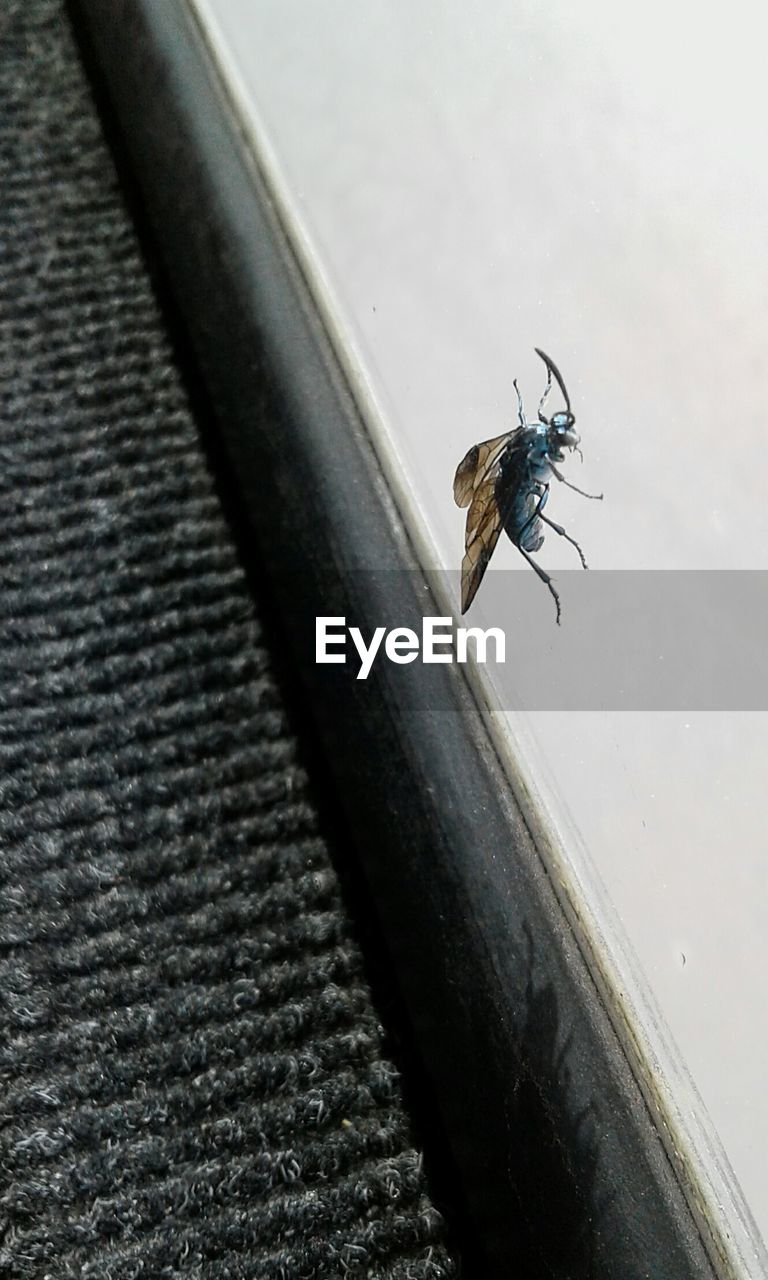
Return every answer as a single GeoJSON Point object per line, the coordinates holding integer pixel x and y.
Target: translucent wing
{"type": "Point", "coordinates": [475, 486]}
{"type": "Point", "coordinates": [484, 524]}
{"type": "Point", "coordinates": [474, 466]}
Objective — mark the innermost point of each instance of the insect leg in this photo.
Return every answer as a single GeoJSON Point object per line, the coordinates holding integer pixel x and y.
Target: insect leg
{"type": "Point", "coordinates": [545, 578]}
{"type": "Point", "coordinates": [543, 400]}
{"type": "Point", "coordinates": [520, 409]}
{"type": "Point", "coordinates": [558, 528]}
{"type": "Point", "coordinates": [597, 497]}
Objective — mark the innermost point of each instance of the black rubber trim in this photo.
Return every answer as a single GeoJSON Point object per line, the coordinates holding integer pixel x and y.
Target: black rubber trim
{"type": "Point", "coordinates": [565, 1173]}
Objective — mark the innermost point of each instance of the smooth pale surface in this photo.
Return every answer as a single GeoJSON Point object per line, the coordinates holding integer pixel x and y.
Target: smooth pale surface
{"type": "Point", "coordinates": [478, 178]}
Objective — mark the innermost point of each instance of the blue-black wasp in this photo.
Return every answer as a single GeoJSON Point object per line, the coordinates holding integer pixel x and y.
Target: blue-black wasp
{"type": "Point", "coordinates": [505, 484]}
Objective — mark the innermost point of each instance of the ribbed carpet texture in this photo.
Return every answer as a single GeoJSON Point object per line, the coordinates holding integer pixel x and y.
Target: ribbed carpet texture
{"type": "Point", "coordinates": [192, 1074]}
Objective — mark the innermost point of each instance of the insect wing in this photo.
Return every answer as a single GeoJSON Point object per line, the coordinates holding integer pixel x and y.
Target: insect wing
{"type": "Point", "coordinates": [484, 524]}
{"type": "Point", "coordinates": [493, 498]}
{"type": "Point", "coordinates": [474, 466]}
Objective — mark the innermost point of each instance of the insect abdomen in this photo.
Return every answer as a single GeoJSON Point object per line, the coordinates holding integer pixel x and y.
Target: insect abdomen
{"type": "Point", "coordinates": [520, 528]}
{"type": "Point", "coordinates": [533, 536]}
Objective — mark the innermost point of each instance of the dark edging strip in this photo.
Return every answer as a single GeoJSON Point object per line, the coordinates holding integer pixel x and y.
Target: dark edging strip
{"type": "Point", "coordinates": [564, 1170]}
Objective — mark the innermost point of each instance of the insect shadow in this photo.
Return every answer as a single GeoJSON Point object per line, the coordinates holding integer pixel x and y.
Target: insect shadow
{"type": "Point", "coordinates": [505, 483]}
{"type": "Point", "coordinates": [554, 1166]}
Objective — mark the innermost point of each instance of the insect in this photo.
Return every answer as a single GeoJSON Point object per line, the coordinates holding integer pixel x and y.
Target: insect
{"type": "Point", "coordinates": [505, 484]}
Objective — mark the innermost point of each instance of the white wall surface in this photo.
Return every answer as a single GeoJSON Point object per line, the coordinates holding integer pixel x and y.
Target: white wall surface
{"type": "Point", "coordinates": [475, 178]}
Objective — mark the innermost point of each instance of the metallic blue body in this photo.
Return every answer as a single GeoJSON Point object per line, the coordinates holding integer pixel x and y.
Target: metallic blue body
{"type": "Point", "coordinates": [524, 477]}
{"type": "Point", "coordinates": [525, 469]}
{"type": "Point", "coordinates": [505, 484]}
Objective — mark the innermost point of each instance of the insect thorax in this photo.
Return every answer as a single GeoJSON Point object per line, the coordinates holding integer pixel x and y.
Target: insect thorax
{"type": "Point", "coordinates": [537, 453]}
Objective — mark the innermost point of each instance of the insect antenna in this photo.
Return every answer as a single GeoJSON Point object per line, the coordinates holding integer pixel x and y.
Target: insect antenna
{"type": "Point", "coordinates": [543, 400]}
{"type": "Point", "coordinates": [552, 369]}
{"type": "Point", "coordinates": [520, 409]}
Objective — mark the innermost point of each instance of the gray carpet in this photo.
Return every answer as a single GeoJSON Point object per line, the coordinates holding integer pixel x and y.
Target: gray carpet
{"type": "Point", "coordinates": [193, 1080]}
